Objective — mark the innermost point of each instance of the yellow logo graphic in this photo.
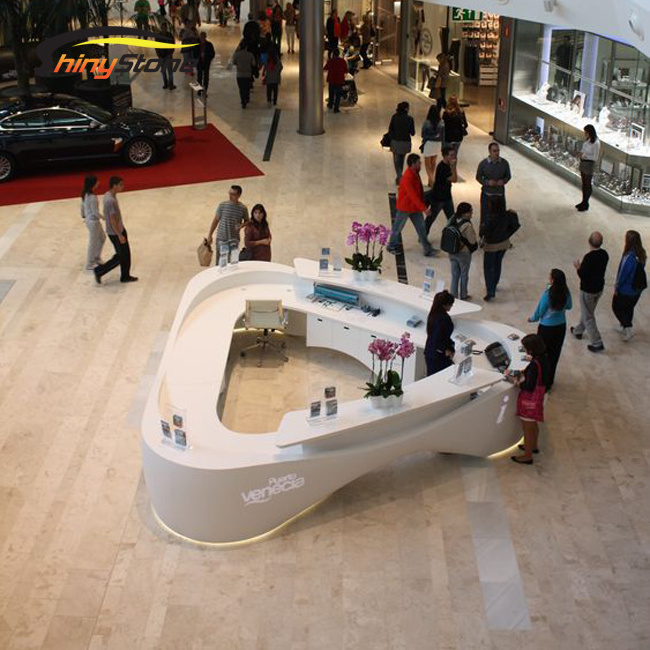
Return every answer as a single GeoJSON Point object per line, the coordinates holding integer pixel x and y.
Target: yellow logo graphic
{"type": "Point", "coordinates": [134, 42]}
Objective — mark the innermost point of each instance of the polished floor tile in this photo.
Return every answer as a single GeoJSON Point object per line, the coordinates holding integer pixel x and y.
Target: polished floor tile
{"type": "Point", "coordinates": [416, 555]}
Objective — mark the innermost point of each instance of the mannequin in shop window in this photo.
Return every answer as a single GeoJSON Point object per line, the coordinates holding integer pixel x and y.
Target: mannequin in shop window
{"type": "Point", "coordinates": [563, 59]}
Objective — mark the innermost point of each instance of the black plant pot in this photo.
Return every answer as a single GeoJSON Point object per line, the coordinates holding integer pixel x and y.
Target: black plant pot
{"type": "Point", "coordinates": [12, 91]}
{"type": "Point", "coordinates": [98, 92]}
{"type": "Point", "coordinates": [61, 82]}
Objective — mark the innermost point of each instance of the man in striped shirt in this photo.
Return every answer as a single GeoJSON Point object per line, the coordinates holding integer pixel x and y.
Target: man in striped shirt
{"type": "Point", "coordinates": [228, 221]}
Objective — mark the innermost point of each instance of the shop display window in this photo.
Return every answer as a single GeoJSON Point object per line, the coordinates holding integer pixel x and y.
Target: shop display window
{"type": "Point", "coordinates": [564, 79]}
{"type": "Point", "coordinates": [470, 39]}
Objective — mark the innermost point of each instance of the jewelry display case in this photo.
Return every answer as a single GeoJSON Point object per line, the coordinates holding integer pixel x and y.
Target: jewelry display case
{"type": "Point", "coordinates": [565, 79]}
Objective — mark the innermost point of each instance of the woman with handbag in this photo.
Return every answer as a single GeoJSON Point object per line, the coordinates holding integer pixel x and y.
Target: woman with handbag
{"type": "Point", "coordinates": [495, 231]}
{"type": "Point", "coordinates": [92, 218]}
{"type": "Point", "coordinates": [530, 401]}
{"type": "Point", "coordinates": [588, 159]}
{"type": "Point", "coordinates": [400, 130]}
{"type": "Point", "coordinates": [257, 237]}
{"type": "Point", "coordinates": [432, 135]}
{"type": "Point", "coordinates": [551, 314]}
{"type": "Point", "coordinates": [455, 124]}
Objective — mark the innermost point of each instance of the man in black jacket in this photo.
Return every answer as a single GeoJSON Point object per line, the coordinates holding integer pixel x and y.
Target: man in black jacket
{"type": "Point", "coordinates": [206, 54]}
{"type": "Point", "coordinates": [166, 55]}
{"type": "Point", "coordinates": [591, 272]}
{"type": "Point", "coordinates": [251, 33]}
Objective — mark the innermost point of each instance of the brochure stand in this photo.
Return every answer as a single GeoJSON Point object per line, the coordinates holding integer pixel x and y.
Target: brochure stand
{"type": "Point", "coordinates": [199, 107]}
{"type": "Point", "coordinates": [427, 285]}
{"type": "Point", "coordinates": [331, 407]}
{"type": "Point", "coordinates": [174, 429]}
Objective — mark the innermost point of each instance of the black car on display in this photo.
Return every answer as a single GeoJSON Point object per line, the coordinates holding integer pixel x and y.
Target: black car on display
{"type": "Point", "coordinates": [47, 128]}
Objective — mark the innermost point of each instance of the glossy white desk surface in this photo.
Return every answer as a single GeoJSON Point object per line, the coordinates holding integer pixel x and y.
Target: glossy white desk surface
{"type": "Point", "coordinates": [194, 363]}
{"type": "Point", "coordinates": [352, 415]}
{"type": "Point", "coordinates": [404, 294]}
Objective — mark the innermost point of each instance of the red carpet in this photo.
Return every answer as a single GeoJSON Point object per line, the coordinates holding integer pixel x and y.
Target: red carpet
{"type": "Point", "coordinates": [199, 157]}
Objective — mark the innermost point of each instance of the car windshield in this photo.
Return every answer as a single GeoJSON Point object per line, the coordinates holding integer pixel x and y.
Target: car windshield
{"type": "Point", "coordinates": [91, 110]}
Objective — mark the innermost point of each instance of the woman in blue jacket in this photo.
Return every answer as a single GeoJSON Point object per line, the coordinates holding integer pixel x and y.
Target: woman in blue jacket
{"type": "Point", "coordinates": [626, 293]}
{"type": "Point", "coordinates": [551, 314]}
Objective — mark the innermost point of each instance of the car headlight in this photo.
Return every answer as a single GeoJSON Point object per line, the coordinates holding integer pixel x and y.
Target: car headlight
{"type": "Point", "coordinates": [160, 132]}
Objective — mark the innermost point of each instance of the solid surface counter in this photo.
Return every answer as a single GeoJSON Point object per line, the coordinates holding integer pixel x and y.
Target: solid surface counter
{"type": "Point", "coordinates": [229, 486]}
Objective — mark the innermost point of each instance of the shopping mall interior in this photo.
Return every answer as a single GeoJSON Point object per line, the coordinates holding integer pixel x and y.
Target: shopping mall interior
{"type": "Point", "coordinates": [423, 550]}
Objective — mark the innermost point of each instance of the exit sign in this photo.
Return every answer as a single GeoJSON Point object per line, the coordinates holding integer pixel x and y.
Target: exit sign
{"type": "Point", "coordinates": [459, 15]}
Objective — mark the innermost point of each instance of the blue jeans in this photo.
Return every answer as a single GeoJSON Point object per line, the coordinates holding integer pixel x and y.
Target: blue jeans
{"type": "Point", "coordinates": [418, 223]}
{"type": "Point", "coordinates": [492, 270]}
{"type": "Point", "coordinates": [459, 271]}
{"type": "Point", "coordinates": [446, 206]}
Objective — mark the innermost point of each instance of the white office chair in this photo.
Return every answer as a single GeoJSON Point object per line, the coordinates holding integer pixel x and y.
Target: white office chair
{"type": "Point", "coordinates": [267, 315]}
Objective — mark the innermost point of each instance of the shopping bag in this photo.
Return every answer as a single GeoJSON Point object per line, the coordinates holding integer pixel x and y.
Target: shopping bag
{"type": "Point", "coordinates": [204, 252]}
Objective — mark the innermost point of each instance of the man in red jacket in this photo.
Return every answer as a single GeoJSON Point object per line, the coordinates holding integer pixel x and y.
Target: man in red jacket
{"type": "Point", "coordinates": [410, 205]}
{"type": "Point", "coordinates": [336, 69]}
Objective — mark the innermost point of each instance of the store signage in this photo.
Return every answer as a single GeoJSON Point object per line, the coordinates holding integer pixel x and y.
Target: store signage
{"type": "Point", "coordinates": [459, 15]}
{"type": "Point", "coordinates": [275, 486]}
{"type": "Point", "coordinates": [102, 68]}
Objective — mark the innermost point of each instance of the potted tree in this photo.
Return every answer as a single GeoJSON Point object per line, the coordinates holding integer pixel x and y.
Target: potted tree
{"type": "Point", "coordinates": [27, 22]}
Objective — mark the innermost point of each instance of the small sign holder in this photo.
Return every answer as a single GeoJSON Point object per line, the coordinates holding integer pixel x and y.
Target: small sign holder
{"type": "Point", "coordinates": [325, 408]}
{"type": "Point", "coordinates": [199, 107]}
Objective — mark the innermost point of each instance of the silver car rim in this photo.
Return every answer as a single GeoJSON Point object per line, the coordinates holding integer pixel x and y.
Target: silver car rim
{"type": "Point", "coordinates": [5, 167]}
{"type": "Point", "coordinates": [140, 152]}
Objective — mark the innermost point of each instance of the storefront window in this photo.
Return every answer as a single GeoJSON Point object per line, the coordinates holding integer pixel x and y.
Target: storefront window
{"type": "Point", "coordinates": [564, 80]}
{"type": "Point", "coordinates": [470, 39]}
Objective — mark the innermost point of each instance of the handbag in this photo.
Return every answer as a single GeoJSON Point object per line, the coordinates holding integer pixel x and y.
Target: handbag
{"type": "Point", "coordinates": [530, 404]}
{"type": "Point", "coordinates": [385, 140]}
{"type": "Point", "coordinates": [245, 255]}
{"type": "Point", "coordinates": [204, 252]}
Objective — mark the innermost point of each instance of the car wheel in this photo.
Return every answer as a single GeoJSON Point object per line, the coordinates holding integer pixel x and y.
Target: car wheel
{"type": "Point", "coordinates": [7, 166]}
{"type": "Point", "coordinates": [140, 152]}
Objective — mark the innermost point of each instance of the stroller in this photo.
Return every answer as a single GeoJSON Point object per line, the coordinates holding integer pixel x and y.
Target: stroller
{"type": "Point", "coordinates": [349, 90]}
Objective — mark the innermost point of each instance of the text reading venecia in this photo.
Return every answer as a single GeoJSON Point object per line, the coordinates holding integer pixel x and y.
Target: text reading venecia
{"type": "Point", "coordinates": [275, 486]}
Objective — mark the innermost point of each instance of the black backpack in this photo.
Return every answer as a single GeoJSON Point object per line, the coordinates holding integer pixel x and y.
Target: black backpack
{"type": "Point", "coordinates": [451, 240]}
{"type": "Point", "coordinates": [640, 281]}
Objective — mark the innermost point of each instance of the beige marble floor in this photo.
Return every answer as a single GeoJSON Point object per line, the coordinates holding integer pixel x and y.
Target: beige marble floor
{"type": "Point", "coordinates": [386, 562]}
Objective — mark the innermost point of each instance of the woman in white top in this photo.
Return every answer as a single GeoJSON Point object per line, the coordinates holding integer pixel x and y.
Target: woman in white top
{"type": "Point", "coordinates": [588, 160]}
{"type": "Point", "coordinates": [91, 216]}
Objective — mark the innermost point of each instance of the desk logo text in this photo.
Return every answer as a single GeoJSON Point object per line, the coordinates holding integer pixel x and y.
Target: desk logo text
{"type": "Point", "coordinates": [275, 486]}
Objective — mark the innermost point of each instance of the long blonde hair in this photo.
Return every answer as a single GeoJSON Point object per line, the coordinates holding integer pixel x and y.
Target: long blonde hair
{"type": "Point", "coordinates": [453, 107]}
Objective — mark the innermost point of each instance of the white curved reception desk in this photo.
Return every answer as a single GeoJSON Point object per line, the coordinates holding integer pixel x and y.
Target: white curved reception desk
{"type": "Point", "coordinates": [230, 487]}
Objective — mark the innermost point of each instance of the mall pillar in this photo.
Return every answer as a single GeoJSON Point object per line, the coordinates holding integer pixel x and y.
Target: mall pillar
{"type": "Point", "coordinates": [504, 79]}
{"type": "Point", "coordinates": [310, 77]}
{"type": "Point", "coordinates": [403, 49]}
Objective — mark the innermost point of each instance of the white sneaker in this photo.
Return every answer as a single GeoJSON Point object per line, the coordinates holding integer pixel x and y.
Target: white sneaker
{"type": "Point", "coordinates": [628, 333]}
{"type": "Point", "coordinates": [619, 328]}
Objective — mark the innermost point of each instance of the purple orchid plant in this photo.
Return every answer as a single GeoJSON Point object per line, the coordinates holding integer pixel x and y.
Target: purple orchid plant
{"type": "Point", "coordinates": [386, 381]}
{"type": "Point", "coordinates": [371, 237]}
